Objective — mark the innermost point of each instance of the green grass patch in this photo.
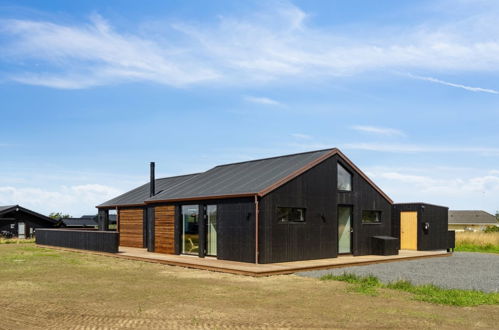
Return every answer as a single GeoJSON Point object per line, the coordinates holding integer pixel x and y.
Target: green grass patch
{"type": "Point", "coordinates": [366, 285]}
{"type": "Point", "coordinates": [486, 248]}
{"type": "Point", "coordinates": [428, 293]}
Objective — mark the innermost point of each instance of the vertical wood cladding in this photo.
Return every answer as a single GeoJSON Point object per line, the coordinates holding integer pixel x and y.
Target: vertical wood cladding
{"type": "Point", "coordinates": [164, 229]}
{"type": "Point", "coordinates": [131, 224]}
{"type": "Point", "coordinates": [364, 197]}
{"type": "Point", "coordinates": [315, 190]}
{"type": "Point", "coordinates": [436, 237]}
{"type": "Point", "coordinates": [235, 229]}
{"type": "Point", "coordinates": [316, 238]}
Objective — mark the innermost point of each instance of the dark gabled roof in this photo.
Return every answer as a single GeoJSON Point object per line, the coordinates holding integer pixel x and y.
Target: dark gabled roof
{"type": "Point", "coordinates": [470, 217]}
{"type": "Point", "coordinates": [6, 207]}
{"type": "Point", "coordinates": [79, 222]}
{"type": "Point", "coordinates": [250, 178]}
{"type": "Point", "coordinates": [10, 208]}
{"type": "Point", "coordinates": [138, 195]}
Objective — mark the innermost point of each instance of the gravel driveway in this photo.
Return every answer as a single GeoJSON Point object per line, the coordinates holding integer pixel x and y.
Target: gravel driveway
{"type": "Point", "coordinates": [462, 270]}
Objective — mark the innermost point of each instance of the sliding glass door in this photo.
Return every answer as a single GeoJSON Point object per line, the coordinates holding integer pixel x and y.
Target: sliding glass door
{"type": "Point", "coordinates": [211, 233]}
{"type": "Point", "coordinates": [190, 229]}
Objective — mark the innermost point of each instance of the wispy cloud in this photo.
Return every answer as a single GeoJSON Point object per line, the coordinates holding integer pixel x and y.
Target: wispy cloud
{"type": "Point", "coordinates": [415, 148]}
{"type": "Point", "coordinates": [95, 54]}
{"type": "Point", "coordinates": [468, 88]}
{"type": "Point", "coordinates": [302, 136]}
{"type": "Point", "coordinates": [261, 100]}
{"type": "Point", "coordinates": [277, 43]}
{"type": "Point", "coordinates": [378, 130]}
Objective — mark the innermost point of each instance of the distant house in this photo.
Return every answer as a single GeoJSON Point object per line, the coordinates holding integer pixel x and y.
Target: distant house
{"type": "Point", "coordinates": [78, 223]}
{"type": "Point", "coordinates": [471, 220]}
{"type": "Point", "coordinates": [20, 222]}
{"type": "Point", "coordinates": [86, 221]}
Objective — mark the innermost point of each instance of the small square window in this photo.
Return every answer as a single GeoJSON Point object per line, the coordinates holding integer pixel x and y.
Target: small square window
{"type": "Point", "coordinates": [371, 216]}
{"type": "Point", "coordinates": [290, 214]}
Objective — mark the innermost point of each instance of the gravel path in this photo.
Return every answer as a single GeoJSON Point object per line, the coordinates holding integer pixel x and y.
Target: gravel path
{"type": "Point", "coordinates": [462, 270]}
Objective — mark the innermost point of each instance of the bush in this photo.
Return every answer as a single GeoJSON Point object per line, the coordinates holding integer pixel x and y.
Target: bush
{"type": "Point", "coordinates": [491, 229]}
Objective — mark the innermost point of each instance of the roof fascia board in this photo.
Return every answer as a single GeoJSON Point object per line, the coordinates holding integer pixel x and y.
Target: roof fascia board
{"type": "Point", "coordinates": [200, 198]}
{"type": "Point", "coordinates": [110, 207]}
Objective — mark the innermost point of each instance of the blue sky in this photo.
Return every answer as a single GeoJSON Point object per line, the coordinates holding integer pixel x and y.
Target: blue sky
{"type": "Point", "coordinates": [92, 91]}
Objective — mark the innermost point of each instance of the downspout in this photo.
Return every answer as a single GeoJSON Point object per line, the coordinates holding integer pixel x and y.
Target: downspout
{"type": "Point", "coordinates": [117, 219]}
{"type": "Point", "coordinates": [256, 228]}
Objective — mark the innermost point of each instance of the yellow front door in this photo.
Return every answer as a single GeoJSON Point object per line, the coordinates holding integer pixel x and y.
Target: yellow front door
{"type": "Point", "coordinates": [408, 230]}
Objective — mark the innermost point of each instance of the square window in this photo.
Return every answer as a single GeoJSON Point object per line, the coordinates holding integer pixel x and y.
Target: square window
{"type": "Point", "coordinates": [290, 214]}
{"type": "Point", "coordinates": [371, 216]}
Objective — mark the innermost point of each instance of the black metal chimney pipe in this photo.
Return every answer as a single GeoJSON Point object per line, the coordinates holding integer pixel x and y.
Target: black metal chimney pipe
{"type": "Point", "coordinates": [152, 182]}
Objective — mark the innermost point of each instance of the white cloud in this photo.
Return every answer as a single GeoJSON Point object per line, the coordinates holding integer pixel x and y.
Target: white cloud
{"type": "Point", "coordinates": [261, 100]}
{"type": "Point", "coordinates": [468, 88]}
{"type": "Point", "coordinates": [378, 130]}
{"type": "Point", "coordinates": [456, 188]}
{"type": "Point", "coordinates": [75, 200]}
{"type": "Point", "coordinates": [275, 43]}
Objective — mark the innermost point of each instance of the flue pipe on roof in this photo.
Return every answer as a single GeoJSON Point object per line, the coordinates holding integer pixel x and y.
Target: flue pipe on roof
{"type": "Point", "coordinates": [152, 182]}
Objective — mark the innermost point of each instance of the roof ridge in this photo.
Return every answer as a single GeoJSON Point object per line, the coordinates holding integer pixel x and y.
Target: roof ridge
{"type": "Point", "coordinates": [175, 176]}
{"type": "Point", "coordinates": [273, 157]}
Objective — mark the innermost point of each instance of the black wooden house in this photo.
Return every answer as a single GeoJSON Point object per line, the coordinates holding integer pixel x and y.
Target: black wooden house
{"type": "Point", "coordinates": [20, 222]}
{"type": "Point", "coordinates": [296, 207]}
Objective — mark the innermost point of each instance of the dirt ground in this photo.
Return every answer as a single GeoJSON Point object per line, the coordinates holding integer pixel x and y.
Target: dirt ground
{"type": "Point", "coordinates": [45, 288]}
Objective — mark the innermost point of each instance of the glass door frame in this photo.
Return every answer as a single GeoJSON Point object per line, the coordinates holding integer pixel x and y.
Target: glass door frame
{"type": "Point", "coordinates": [183, 227]}
{"type": "Point", "coordinates": [351, 228]}
{"type": "Point", "coordinates": [206, 207]}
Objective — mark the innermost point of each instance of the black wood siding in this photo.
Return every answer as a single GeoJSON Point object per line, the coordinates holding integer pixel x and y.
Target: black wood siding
{"type": "Point", "coordinates": [437, 216]}
{"type": "Point", "coordinates": [236, 229]}
{"type": "Point", "coordinates": [95, 240]}
{"type": "Point", "coordinates": [317, 238]}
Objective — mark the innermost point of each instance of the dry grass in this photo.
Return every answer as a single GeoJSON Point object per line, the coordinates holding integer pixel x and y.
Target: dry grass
{"type": "Point", "coordinates": [51, 289]}
{"type": "Point", "coordinates": [477, 238]}
{"type": "Point", "coordinates": [16, 240]}
{"type": "Point", "coordinates": [477, 242]}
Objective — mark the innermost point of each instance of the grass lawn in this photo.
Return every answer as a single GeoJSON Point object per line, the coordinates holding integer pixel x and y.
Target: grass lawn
{"type": "Point", "coordinates": [429, 293]}
{"type": "Point", "coordinates": [45, 288]}
{"type": "Point", "coordinates": [477, 242]}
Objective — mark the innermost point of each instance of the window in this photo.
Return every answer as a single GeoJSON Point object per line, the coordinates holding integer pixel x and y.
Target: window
{"type": "Point", "coordinates": [344, 179]}
{"type": "Point", "coordinates": [371, 216]}
{"type": "Point", "coordinates": [290, 214]}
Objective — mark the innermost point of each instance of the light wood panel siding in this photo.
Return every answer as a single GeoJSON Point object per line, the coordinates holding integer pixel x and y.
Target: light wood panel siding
{"type": "Point", "coordinates": [164, 229]}
{"type": "Point", "coordinates": [131, 223]}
